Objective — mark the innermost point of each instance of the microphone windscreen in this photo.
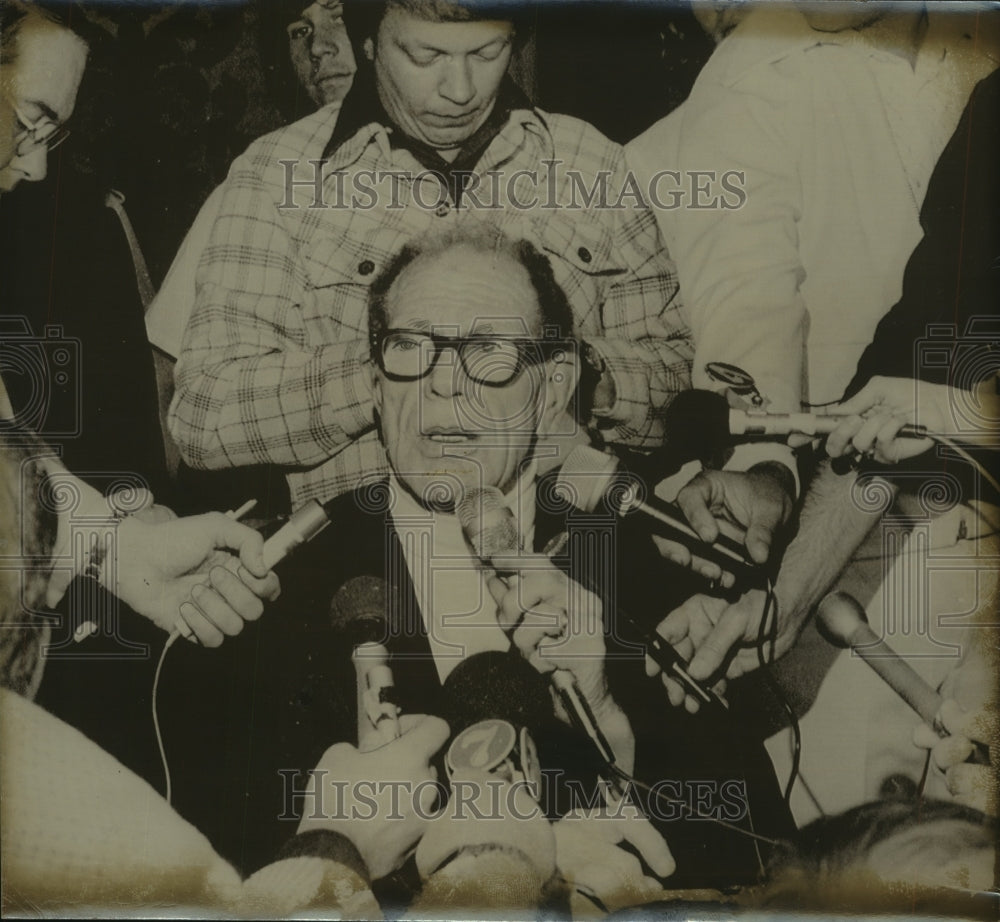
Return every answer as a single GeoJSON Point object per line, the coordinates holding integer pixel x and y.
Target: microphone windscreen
{"type": "Point", "coordinates": [585, 477]}
{"type": "Point", "coordinates": [487, 523]}
{"type": "Point", "coordinates": [358, 610]}
{"type": "Point", "coordinates": [495, 685]}
{"type": "Point", "coordinates": [701, 418]}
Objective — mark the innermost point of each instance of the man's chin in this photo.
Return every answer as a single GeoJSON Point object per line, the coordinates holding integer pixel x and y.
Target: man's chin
{"type": "Point", "coordinates": [440, 490]}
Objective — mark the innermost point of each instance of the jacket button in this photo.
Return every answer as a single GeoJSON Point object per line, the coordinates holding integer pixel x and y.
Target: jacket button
{"type": "Point", "coordinates": [442, 210]}
{"type": "Point", "coordinates": [584, 255]}
{"type": "Point", "coordinates": [367, 267]}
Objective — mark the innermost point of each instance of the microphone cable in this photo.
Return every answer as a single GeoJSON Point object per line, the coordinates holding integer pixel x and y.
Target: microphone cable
{"type": "Point", "coordinates": [767, 634]}
{"type": "Point", "coordinates": [630, 780]}
{"type": "Point", "coordinates": [171, 640]}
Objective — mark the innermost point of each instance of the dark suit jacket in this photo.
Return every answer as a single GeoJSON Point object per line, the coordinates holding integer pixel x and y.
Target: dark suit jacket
{"type": "Point", "coordinates": [241, 720]}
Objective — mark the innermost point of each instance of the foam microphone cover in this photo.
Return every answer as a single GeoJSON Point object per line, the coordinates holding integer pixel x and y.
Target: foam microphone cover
{"type": "Point", "coordinates": [700, 418]}
{"type": "Point", "coordinates": [487, 523]}
{"type": "Point", "coordinates": [503, 686]}
{"type": "Point", "coordinates": [358, 610]}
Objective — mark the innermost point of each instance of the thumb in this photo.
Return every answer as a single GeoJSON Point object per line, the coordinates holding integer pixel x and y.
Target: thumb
{"type": "Point", "coordinates": [227, 533]}
{"type": "Point", "coordinates": [427, 737]}
{"type": "Point", "coordinates": [760, 533]}
{"type": "Point", "coordinates": [651, 845]}
{"type": "Point", "coordinates": [973, 725]}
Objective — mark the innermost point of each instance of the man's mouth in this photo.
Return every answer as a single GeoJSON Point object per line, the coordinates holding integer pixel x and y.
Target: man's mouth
{"type": "Point", "coordinates": [448, 436]}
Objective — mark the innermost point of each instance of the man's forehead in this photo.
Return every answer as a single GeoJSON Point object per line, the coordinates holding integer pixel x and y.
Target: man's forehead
{"type": "Point", "coordinates": [456, 37]}
{"type": "Point", "coordinates": [46, 72]}
{"type": "Point", "coordinates": [327, 8]}
{"type": "Point", "coordinates": [465, 290]}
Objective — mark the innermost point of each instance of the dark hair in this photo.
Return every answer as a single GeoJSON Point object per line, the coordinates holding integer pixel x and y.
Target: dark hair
{"type": "Point", "coordinates": [363, 17]}
{"type": "Point", "coordinates": [555, 313]}
{"type": "Point", "coordinates": [273, 19]}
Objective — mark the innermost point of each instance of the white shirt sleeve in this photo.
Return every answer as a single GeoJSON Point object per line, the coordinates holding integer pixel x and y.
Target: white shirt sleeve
{"type": "Point", "coordinates": [168, 315]}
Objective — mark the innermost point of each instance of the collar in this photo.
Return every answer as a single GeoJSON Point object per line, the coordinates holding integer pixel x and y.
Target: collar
{"type": "Point", "coordinates": [362, 113]}
{"type": "Point", "coordinates": [447, 537]}
{"type": "Point", "coordinates": [771, 33]}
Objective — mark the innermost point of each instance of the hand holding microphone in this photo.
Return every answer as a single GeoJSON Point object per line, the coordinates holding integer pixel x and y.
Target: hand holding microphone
{"type": "Point", "coordinates": [215, 606]}
{"type": "Point", "coordinates": [842, 621]}
{"type": "Point", "coordinates": [553, 621]}
{"type": "Point", "coordinates": [158, 566]}
{"type": "Point", "coordinates": [382, 800]}
{"type": "Point", "coordinates": [593, 863]}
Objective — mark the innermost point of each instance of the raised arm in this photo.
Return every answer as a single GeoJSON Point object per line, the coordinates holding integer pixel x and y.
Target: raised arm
{"type": "Point", "coordinates": [251, 387]}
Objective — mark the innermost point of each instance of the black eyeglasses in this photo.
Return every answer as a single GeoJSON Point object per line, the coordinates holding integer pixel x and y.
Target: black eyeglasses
{"type": "Point", "coordinates": [492, 359]}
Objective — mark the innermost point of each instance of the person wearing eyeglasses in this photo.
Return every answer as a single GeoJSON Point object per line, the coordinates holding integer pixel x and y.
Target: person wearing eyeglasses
{"type": "Point", "coordinates": [474, 361]}
{"type": "Point", "coordinates": [152, 564]}
{"type": "Point", "coordinates": [273, 368]}
{"type": "Point", "coordinates": [42, 65]}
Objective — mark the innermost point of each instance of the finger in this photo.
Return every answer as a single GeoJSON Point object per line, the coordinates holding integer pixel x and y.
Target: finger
{"type": "Point", "coordinates": [838, 442]}
{"type": "Point", "coordinates": [651, 845]}
{"type": "Point", "coordinates": [711, 571]}
{"type": "Point", "coordinates": [652, 667]}
{"type": "Point", "coordinates": [205, 631]}
{"type": "Point", "coordinates": [952, 750]}
{"type": "Point", "coordinates": [760, 532]}
{"type": "Point", "coordinates": [726, 635]}
{"type": "Point", "coordinates": [694, 501]}
{"type": "Point", "coordinates": [426, 738]}
{"type": "Point", "coordinates": [978, 725]}
{"type": "Point", "coordinates": [864, 439]}
{"type": "Point", "coordinates": [268, 588]}
{"type": "Point", "coordinates": [675, 691]}
{"type": "Point", "coordinates": [968, 780]}
{"type": "Point", "coordinates": [691, 704]}
{"type": "Point", "coordinates": [236, 594]}
{"type": "Point", "coordinates": [497, 588]}
{"type": "Point", "coordinates": [217, 610]}
{"type": "Point", "coordinates": [925, 736]}
{"type": "Point", "coordinates": [225, 532]}
{"type": "Point", "coordinates": [252, 553]}
{"type": "Point", "coordinates": [672, 551]}
{"type": "Point", "coordinates": [869, 396]}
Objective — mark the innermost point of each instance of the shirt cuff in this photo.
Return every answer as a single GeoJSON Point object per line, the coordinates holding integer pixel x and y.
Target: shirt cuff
{"type": "Point", "coordinates": [329, 845]}
{"type": "Point", "coordinates": [747, 455]}
{"type": "Point", "coordinates": [628, 374]}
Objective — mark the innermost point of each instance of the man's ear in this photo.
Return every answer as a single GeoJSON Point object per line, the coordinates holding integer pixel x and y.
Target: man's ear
{"type": "Point", "coordinates": [368, 47]}
{"type": "Point", "coordinates": [562, 375]}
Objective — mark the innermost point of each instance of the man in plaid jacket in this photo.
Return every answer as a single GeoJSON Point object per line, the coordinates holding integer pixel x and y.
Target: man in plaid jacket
{"type": "Point", "coordinates": [275, 367]}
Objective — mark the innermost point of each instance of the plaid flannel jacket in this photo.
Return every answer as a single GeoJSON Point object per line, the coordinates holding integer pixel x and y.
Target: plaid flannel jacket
{"type": "Point", "coordinates": [275, 364]}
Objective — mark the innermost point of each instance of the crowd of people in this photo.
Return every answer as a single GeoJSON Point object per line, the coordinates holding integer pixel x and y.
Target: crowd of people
{"type": "Point", "coordinates": [556, 650]}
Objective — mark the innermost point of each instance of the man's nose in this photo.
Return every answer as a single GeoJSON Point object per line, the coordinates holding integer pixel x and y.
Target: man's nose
{"type": "Point", "coordinates": [447, 376]}
{"type": "Point", "coordinates": [327, 40]}
{"type": "Point", "coordinates": [456, 82]}
{"type": "Point", "coordinates": [34, 164]}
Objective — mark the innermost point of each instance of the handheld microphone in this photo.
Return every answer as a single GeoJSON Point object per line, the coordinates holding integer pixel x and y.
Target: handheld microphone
{"type": "Point", "coordinates": [714, 422]}
{"type": "Point", "coordinates": [357, 611]}
{"type": "Point", "coordinates": [490, 527]}
{"type": "Point", "coordinates": [302, 526]}
{"type": "Point", "coordinates": [842, 621]}
{"type": "Point", "coordinates": [590, 479]}
{"type": "Point", "coordinates": [493, 703]}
